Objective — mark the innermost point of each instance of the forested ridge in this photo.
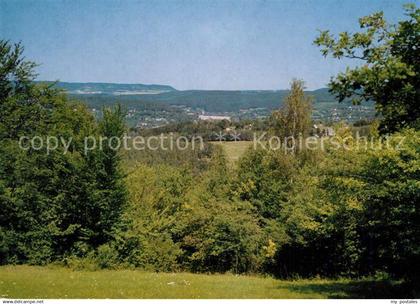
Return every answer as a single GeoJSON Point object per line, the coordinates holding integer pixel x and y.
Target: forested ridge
{"type": "Point", "coordinates": [351, 211]}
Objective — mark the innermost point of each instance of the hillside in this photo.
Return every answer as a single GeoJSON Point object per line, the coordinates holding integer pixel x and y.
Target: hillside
{"type": "Point", "coordinates": [156, 105]}
{"type": "Point", "coordinates": [98, 94]}
{"type": "Point", "coordinates": [99, 88]}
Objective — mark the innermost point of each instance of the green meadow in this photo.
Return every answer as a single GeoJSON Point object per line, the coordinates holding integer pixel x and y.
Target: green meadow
{"type": "Point", "coordinates": [234, 149]}
{"type": "Point", "coordinates": [57, 282]}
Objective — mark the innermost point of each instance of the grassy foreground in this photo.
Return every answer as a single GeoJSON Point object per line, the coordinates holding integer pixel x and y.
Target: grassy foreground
{"type": "Point", "coordinates": [54, 282]}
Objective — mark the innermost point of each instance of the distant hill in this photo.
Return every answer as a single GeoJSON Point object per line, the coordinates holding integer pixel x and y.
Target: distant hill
{"type": "Point", "coordinates": [141, 95]}
{"type": "Point", "coordinates": [95, 88]}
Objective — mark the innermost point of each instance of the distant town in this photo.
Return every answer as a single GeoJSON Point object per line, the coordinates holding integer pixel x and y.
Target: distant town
{"type": "Point", "coordinates": [145, 119]}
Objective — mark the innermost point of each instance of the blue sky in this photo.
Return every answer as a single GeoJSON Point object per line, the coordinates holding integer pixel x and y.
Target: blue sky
{"type": "Point", "coordinates": [218, 44]}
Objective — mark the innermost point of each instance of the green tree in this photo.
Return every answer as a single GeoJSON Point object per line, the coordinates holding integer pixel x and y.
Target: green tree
{"type": "Point", "coordinates": [16, 74]}
{"type": "Point", "coordinates": [145, 236]}
{"type": "Point", "coordinates": [391, 199]}
{"type": "Point", "coordinates": [294, 117]}
{"type": "Point", "coordinates": [264, 179]}
{"type": "Point", "coordinates": [389, 73]}
{"type": "Point", "coordinates": [50, 199]}
{"type": "Point", "coordinates": [110, 186]}
{"type": "Point", "coordinates": [216, 231]}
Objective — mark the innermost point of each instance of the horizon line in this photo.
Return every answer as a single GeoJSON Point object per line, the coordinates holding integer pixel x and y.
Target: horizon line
{"type": "Point", "coordinates": [168, 85]}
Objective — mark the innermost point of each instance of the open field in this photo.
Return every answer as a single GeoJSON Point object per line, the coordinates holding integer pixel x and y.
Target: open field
{"type": "Point", "coordinates": [234, 149]}
{"type": "Point", "coordinates": [55, 282]}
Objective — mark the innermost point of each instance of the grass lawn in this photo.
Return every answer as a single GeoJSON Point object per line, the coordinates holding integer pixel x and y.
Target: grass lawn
{"type": "Point", "coordinates": [234, 149]}
{"type": "Point", "coordinates": [56, 282]}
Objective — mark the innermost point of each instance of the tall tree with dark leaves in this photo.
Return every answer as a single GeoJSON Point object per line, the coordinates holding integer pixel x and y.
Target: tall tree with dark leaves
{"type": "Point", "coordinates": [111, 191]}
{"type": "Point", "coordinates": [50, 198]}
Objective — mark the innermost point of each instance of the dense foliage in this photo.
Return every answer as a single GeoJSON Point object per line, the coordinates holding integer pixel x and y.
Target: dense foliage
{"type": "Point", "coordinates": [53, 202]}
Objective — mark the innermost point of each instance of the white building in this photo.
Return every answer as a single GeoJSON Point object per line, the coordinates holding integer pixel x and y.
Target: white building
{"type": "Point", "coordinates": [213, 117]}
